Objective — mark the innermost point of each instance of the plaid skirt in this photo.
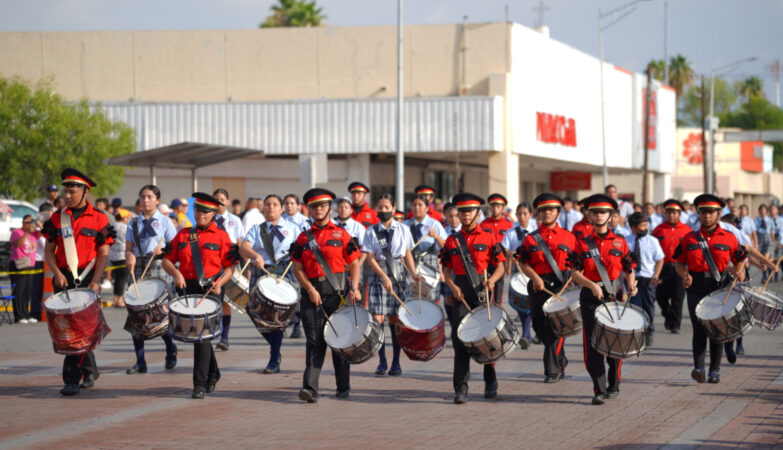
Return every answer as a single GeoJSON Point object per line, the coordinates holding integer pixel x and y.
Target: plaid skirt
{"type": "Point", "coordinates": [380, 301]}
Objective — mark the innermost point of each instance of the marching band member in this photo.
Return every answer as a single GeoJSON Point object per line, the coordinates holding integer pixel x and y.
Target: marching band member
{"type": "Point", "coordinates": [148, 236]}
{"type": "Point", "coordinates": [583, 227]}
{"type": "Point", "coordinates": [361, 212]}
{"type": "Point", "coordinates": [430, 232]}
{"type": "Point", "coordinates": [511, 242]}
{"type": "Point", "coordinates": [703, 258]}
{"type": "Point", "coordinates": [543, 255]}
{"type": "Point", "coordinates": [214, 254]}
{"type": "Point", "coordinates": [670, 292]}
{"type": "Point", "coordinates": [88, 233]}
{"type": "Point", "coordinates": [388, 246]}
{"type": "Point", "coordinates": [497, 225]}
{"type": "Point", "coordinates": [292, 213]}
{"type": "Point", "coordinates": [452, 224]}
{"type": "Point", "coordinates": [321, 255]}
{"type": "Point", "coordinates": [232, 225]}
{"type": "Point", "coordinates": [648, 256]}
{"type": "Point", "coordinates": [598, 262]}
{"type": "Point", "coordinates": [346, 222]}
{"type": "Point", "coordinates": [468, 285]}
{"type": "Point", "coordinates": [428, 194]}
{"type": "Point", "coordinates": [267, 245]}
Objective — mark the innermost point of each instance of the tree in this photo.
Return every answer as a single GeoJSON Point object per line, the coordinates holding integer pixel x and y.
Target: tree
{"type": "Point", "coordinates": [680, 74]}
{"type": "Point", "coordinates": [758, 114]}
{"type": "Point", "coordinates": [41, 134]}
{"type": "Point", "coordinates": [294, 13]}
{"type": "Point", "coordinates": [658, 69]}
{"type": "Point", "coordinates": [750, 87]}
{"type": "Point", "coordinates": [689, 112]}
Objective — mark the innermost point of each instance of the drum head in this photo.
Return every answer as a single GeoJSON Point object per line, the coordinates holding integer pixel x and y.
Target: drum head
{"type": "Point", "coordinates": [518, 283]}
{"type": "Point", "coordinates": [430, 316]}
{"type": "Point", "coordinates": [632, 319]}
{"type": "Point", "coordinates": [711, 307]}
{"type": "Point", "coordinates": [240, 279]}
{"type": "Point", "coordinates": [569, 299]}
{"type": "Point", "coordinates": [187, 305]}
{"type": "Point", "coordinates": [475, 325]}
{"type": "Point", "coordinates": [343, 321]}
{"type": "Point", "coordinates": [149, 291]}
{"type": "Point", "coordinates": [282, 292]}
{"type": "Point", "coordinates": [766, 297]}
{"type": "Point", "coordinates": [80, 299]}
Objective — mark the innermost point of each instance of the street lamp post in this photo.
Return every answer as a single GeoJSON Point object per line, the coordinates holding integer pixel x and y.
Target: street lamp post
{"type": "Point", "coordinates": [713, 125]}
{"type": "Point", "coordinates": [624, 10]}
{"type": "Point", "coordinates": [400, 191]}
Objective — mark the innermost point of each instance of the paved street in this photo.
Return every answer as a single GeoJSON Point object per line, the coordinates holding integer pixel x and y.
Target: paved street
{"type": "Point", "coordinates": [659, 405]}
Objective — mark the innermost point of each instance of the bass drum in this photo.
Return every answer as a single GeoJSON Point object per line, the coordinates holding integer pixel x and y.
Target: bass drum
{"type": "Point", "coordinates": [421, 335]}
{"type": "Point", "coordinates": [75, 321]}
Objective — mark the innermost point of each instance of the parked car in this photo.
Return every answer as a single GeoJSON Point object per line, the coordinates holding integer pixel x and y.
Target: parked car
{"type": "Point", "coordinates": [11, 214]}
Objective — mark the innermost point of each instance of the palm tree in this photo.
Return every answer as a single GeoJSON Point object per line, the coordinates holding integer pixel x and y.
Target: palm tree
{"type": "Point", "coordinates": [658, 69]}
{"type": "Point", "coordinates": [294, 13]}
{"type": "Point", "coordinates": [752, 87]}
{"type": "Point", "coordinates": [680, 74]}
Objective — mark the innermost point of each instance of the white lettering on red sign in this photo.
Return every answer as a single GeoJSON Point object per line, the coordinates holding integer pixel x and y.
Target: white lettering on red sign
{"type": "Point", "coordinates": [554, 129]}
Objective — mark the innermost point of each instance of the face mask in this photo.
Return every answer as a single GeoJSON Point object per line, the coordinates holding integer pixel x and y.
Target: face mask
{"type": "Point", "coordinates": [642, 233]}
{"type": "Point", "coordinates": [384, 216]}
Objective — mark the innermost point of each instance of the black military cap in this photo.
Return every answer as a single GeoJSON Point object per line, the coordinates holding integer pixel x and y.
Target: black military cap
{"type": "Point", "coordinates": [548, 200]}
{"type": "Point", "coordinates": [467, 201]}
{"type": "Point", "coordinates": [319, 195]}
{"type": "Point", "coordinates": [73, 176]}
{"type": "Point", "coordinates": [205, 202]}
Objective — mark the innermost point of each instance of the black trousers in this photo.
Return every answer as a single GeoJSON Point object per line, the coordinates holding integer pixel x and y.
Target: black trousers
{"type": "Point", "coordinates": [313, 323]}
{"type": "Point", "coordinates": [670, 295]}
{"type": "Point", "coordinates": [497, 293]}
{"type": "Point", "coordinates": [36, 293]}
{"type": "Point", "coordinates": [596, 363]}
{"type": "Point", "coordinates": [645, 299]}
{"type": "Point", "coordinates": [22, 292]}
{"type": "Point", "coordinates": [701, 287]}
{"type": "Point", "coordinates": [205, 368]}
{"type": "Point", "coordinates": [554, 353]}
{"type": "Point", "coordinates": [461, 356]}
{"type": "Point", "coordinates": [76, 367]}
{"type": "Point", "coordinates": [120, 276]}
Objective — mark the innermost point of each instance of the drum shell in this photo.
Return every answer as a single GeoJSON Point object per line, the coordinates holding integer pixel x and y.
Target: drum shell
{"type": "Point", "coordinates": [149, 320]}
{"type": "Point", "coordinates": [496, 344]}
{"type": "Point", "coordinates": [566, 322]}
{"type": "Point", "coordinates": [196, 327]}
{"type": "Point", "coordinates": [616, 343]}
{"type": "Point", "coordinates": [236, 289]}
{"type": "Point", "coordinates": [421, 345]}
{"type": "Point", "coordinates": [767, 308]}
{"type": "Point", "coordinates": [78, 330]}
{"type": "Point", "coordinates": [366, 346]}
{"type": "Point", "coordinates": [267, 314]}
{"type": "Point", "coordinates": [728, 328]}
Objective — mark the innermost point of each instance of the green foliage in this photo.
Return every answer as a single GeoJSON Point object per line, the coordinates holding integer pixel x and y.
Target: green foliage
{"type": "Point", "coordinates": [658, 69]}
{"type": "Point", "coordinates": [689, 113]}
{"type": "Point", "coordinates": [294, 13]}
{"type": "Point", "coordinates": [41, 134]}
{"type": "Point", "coordinates": [751, 87]}
{"type": "Point", "coordinates": [680, 74]}
{"type": "Point", "coordinates": [758, 114]}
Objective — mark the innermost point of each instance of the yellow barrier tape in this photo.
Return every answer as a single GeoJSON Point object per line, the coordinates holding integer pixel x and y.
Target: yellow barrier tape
{"type": "Point", "coordinates": [35, 271]}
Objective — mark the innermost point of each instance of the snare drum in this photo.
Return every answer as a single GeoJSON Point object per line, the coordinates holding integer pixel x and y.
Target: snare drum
{"type": "Point", "coordinates": [622, 337]}
{"type": "Point", "coordinates": [237, 288]}
{"type": "Point", "coordinates": [76, 326]}
{"type": "Point", "coordinates": [273, 303]}
{"type": "Point", "coordinates": [191, 323]}
{"type": "Point", "coordinates": [429, 281]}
{"type": "Point", "coordinates": [355, 345]}
{"type": "Point", "coordinates": [564, 315]}
{"type": "Point", "coordinates": [767, 308]}
{"type": "Point", "coordinates": [421, 335]}
{"type": "Point", "coordinates": [518, 285]}
{"type": "Point", "coordinates": [148, 314]}
{"type": "Point", "coordinates": [725, 322]}
{"type": "Point", "coordinates": [486, 341]}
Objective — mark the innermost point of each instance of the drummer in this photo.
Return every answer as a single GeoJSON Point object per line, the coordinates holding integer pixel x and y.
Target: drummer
{"type": "Point", "coordinates": [217, 267]}
{"type": "Point", "coordinates": [345, 221]}
{"type": "Point", "coordinates": [91, 236]}
{"type": "Point", "coordinates": [428, 194]}
{"type": "Point", "coordinates": [613, 258]}
{"type": "Point", "coordinates": [232, 225]}
{"type": "Point", "coordinates": [483, 250]}
{"type": "Point", "coordinates": [670, 292]}
{"type": "Point", "coordinates": [511, 242]}
{"type": "Point", "coordinates": [388, 246]}
{"type": "Point", "coordinates": [275, 234]}
{"type": "Point", "coordinates": [497, 225]}
{"type": "Point", "coordinates": [430, 236]}
{"type": "Point", "coordinates": [452, 224]}
{"type": "Point", "coordinates": [701, 277]}
{"type": "Point", "coordinates": [362, 213]}
{"type": "Point", "coordinates": [319, 296]}
{"type": "Point", "coordinates": [543, 273]}
{"type": "Point", "coordinates": [583, 227]}
{"type": "Point", "coordinates": [148, 238]}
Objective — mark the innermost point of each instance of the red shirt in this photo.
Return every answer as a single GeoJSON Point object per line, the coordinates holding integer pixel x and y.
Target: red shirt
{"type": "Point", "coordinates": [723, 247]}
{"type": "Point", "coordinates": [669, 236]}
{"type": "Point", "coordinates": [614, 256]}
{"type": "Point", "coordinates": [90, 232]}
{"type": "Point", "coordinates": [483, 247]}
{"type": "Point", "coordinates": [432, 213]}
{"type": "Point", "coordinates": [560, 242]}
{"type": "Point", "coordinates": [335, 244]}
{"type": "Point", "coordinates": [214, 245]}
{"type": "Point", "coordinates": [582, 229]}
{"type": "Point", "coordinates": [364, 215]}
{"type": "Point", "coordinates": [497, 227]}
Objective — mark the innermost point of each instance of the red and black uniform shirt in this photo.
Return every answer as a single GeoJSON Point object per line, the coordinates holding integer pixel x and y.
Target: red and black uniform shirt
{"type": "Point", "coordinates": [561, 244]}
{"type": "Point", "coordinates": [91, 231]}
{"type": "Point", "coordinates": [497, 227]}
{"type": "Point", "coordinates": [484, 249]}
{"type": "Point", "coordinates": [582, 229]}
{"type": "Point", "coordinates": [336, 245]}
{"type": "Point", "coordinates": [364, 215]}
{"type": "Point", "coordinates": [215, 249]}
{"type": "Point", "coordinates": [669, 236]}
{"type": "Point", "coordinates": [432, 213]}
{"type": "Point", "coordinates": [614, 255]}
{"type": "Point", "coordinates": [724, 248]}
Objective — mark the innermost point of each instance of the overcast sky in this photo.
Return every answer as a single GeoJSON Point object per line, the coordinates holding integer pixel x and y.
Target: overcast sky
{"type": "Point", "coordinates": [710, 33]}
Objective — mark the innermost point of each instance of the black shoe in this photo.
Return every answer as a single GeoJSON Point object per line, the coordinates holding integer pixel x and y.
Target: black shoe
{"type": "Point", "coordinates": [222, 346]}
{"type": "Point", "coordinates": [198, 393]}
{"type": "Point", "coordinates": [731, 356]}
{"type": "Point", "coordinates": [343, 394]}
{"type": "Point", "coordinates": [70, 389]}
{"type": "Point", "coordinates": [667, 326]}
{"type": "Point", "coordinates": [380, 370]}
{"type": "Point", "coordinates": [295, 334]}
{"type": "Point", "coordinates": [698, 375]}
{"type": "Point", "coordinates": [599, 399]}
{"type": "Point", "coordinates": [536, 340]}
{"type": "Point", "coordinates": [523, 343]}
{"type": "Point", "coordinates": [171, 362]}
{"type": "Point", "coordinates": [675, 331]}
{"type": "Point", "coordinates": [395, 371]}
{"type": "Point", "coordinates": [307, 395]}
{"type": "Point", "coordinates": [210, 388]}
{"type": "Point", "coordinates": [740, 349]}
{"type": "Point", "coordinates": [552, 379]}
{"type": "Point", "coordinates": [491, 393]}
{"type": "Point", "coordinates": [273, 367]}
{"type": "Point", "coordinates": [89, 382]}
{"type": "Point", "coordinates": [461, 398]}
{"type": "Point", "coordinates": [713, 378]}
{"type": "Point", "coordinates": [139, 369]}
{"type": "Point", "coordinates": [649, 340]}
{"type": "Point", "coordinates": [613, 392]}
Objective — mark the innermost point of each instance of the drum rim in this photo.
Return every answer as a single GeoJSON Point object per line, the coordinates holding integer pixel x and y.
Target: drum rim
{"type": "Point", "coordinates": [363, 331]}
{"type": "Point", "coordinates": [568, 307]}
{"type": "Point", "coordinates": [257, 287]}
{"type": "Point", "coordinates": [475, 311]}
{"type": "Point", "coordinates": [441, 323]}
{"type": "Point", "coordinates": [166, 291]}
{"type": "Point", "coordinates": [631, 306]}
{"type": "Point", "coordinates": [700, 305]}
{"type": "Point", "coordinates": [212, 297]}
{"type": "Point", "coordinates": [95, 298]}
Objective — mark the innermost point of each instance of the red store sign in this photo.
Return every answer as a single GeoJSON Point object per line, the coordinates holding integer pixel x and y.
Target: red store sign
{"type": "Point", "coordinates": [554, 129]}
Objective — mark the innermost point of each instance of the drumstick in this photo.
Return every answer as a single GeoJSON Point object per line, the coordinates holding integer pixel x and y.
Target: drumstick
{"type": "Point", "coordinates": [419, 241]}
{"type": "Point", "coordinates": [133, 275]}
{"type": "Point", "coordinates": [627, 300]}
{"type": "Point", "coordinates": [486, 293]}
{"type": "Point", "coordinates": [565, 285]}
{"type": "Point", "coordinates": [764, 288]}
{"type": "Point", "coordinates": [419, 295]}
{"type": "Point", "coordinates": [401, 302]}
{"type": "Point", "coordinates": [355, 317]}
{"type": "Point", "coordinates": [321, 305]}
{"type": "Point", "coordinates": [739, 268]}
{"type": "Point", "coordinates": [557, 296]}
{"type": "Point", "coordinates": [280, 278]}
{"type": "Point", "coordinates": [244, 266]}
{"type": "Point", "coordinates": [151, 258]}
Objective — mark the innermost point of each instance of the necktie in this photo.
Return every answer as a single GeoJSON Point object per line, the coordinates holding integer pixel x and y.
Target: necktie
{"type": "Point", "coordinates": [221, 222]}
{"type": "Point", "coordinates": [565, 220]}
{"type": "Point", "coordinates": [417, 232]}
{"type": "Point", "coordinates": [637, 257]}
{"type": "Point", "coordinates": [341, 225]}
{"type": "Point", "coordinates": [277, 233]}
{"type": "Point", "coordinates": [147, 231]}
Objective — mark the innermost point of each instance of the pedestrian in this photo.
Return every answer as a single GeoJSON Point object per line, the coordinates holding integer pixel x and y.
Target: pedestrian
{"type": "Point", "coordinates": [117, 257]}
{"type": "Point", "coordinates": [24, 242]}
{"type": "Point", "coordinates": [765, 233]}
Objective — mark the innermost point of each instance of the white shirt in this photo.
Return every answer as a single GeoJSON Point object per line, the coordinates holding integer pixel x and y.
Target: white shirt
{"type": "Point", "coordinates": [650, 253]}
{"type": "Point", "coordinates": [654, 221]}
{"type": "Point", "coordinates": [742, 238]}
{"type": "Point", "coordinates": [252, 217]}
{"type": "Point", "coordinates": [747, 225]}
{"type": "Point", "coordinates": [427, 223]}
{"type": "Point", "coordinates": [117, 249]}
{"type": "Point", "coordinates": [401, 241]}
{"type": "Point", "coordinates": [353, 227]}
{"type": "Point", "coordinates": [299, 220]}
{"type": "Point", "coordinates": [511, 240]}
{"type": "Point", "coordinates": [571, 217]}
{"type": "Point", "coordinates": [232, 224]}
{"type": "Point", "coordinates": [289, 231]}
{"type": "Point", "coordinates": [162, 226]}
{"type": "Point", "coordinates": [626, 208]}
{"type": "Point", "coordinates": [449, 230]}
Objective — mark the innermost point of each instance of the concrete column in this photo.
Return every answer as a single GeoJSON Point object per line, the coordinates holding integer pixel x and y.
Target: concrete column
{"type": "Point", "coordinates": [358, 169]}
{"type": "Point", "coordinates": [661, 187]}
{"type": "Point", "coordinates": [504, 166]}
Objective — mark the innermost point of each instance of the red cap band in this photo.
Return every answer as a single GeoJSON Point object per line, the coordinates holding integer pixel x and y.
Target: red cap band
{"type": "Point", "coordinates": [320, 199]}
{"type": "Point", "coordinates": [425, 191]}
{"type": "Point", "coordinates": [600, 205]}
{"type": "Point", "coordinates": [549, 204]}
{"type": "Point", "coordinates": [468, 204]}
{"type": "Point", "coordinates": [205, 204]}
{"type": "Point", "coordinates": [709, 205]}
{"type": "Point", "coordinates": [76, 179]}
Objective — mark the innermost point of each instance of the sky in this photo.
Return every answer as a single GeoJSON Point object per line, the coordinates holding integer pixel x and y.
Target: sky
{"type": "Point", "coordinates": [710, 33]}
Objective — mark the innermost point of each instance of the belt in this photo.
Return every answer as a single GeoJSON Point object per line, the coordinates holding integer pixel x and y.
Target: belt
{"type": "Point", "coordinates": [643, 278]}
{"type": "Point", "coordinates": [702, 275]}
{"type": "Point", "coordinates": [322, 279]}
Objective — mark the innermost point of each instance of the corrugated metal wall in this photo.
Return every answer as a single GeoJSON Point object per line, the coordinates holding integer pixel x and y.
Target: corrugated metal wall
{"type": "Point", "coordinates": [329, 126]}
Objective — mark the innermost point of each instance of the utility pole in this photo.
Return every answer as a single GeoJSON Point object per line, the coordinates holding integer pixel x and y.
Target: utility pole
{"type": "Point", "coordinates": [704, 136]}
{"type": "Point", "coordinates": [540, 10]}
{"type": "Point", "coordinates": [665, 42]}
{"type": "Point", "coordinates": [400, 191]}
{"type": "Point", "coordinates": [647, 98]}
{"type": "Point", "coordinates": [774, 68]}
